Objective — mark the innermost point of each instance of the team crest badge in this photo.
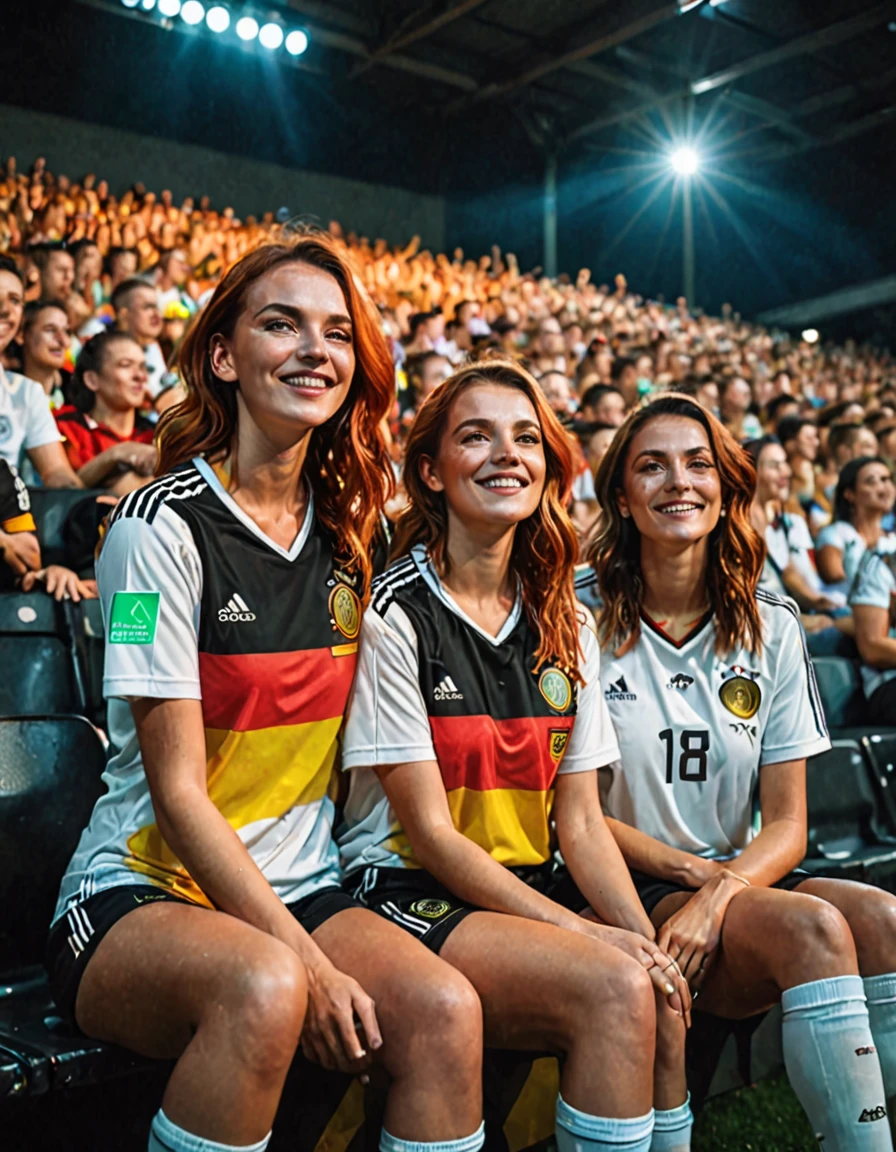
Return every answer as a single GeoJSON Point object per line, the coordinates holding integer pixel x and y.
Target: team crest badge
{"type": "Point", "coordinates": [345, 610]}
{"type": "Point", "coordinates": [431, 909]}
{"type": "Point", "coordinates": [740, 693]}
{"type": "Point", "coordinates": [558, 738]}
{"type": "Point", "coordinates": [554, 685]}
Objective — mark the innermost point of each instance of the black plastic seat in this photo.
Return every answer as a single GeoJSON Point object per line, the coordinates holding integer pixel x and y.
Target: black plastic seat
{"type": "Point", "coordinates": [848, 832]}
{"type": "Point", "coordinates": [50, 508]}
{"type": "Point", "coordinates": [840, 688]}
{"type": "Point", "coordinates": [39, 676]}
{"type": "Point", "coordinates": [30, 614]}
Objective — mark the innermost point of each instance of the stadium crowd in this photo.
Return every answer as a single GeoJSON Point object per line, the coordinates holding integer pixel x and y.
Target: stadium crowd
{"type": "Point", "coordinates": [120, 320]}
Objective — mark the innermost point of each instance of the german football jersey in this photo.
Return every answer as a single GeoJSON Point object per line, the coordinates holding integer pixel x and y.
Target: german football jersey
{"type": "Point", "coordinates": [433, 685]}
{"type": "Point", "coordinates": [15, 503]}
{"type": "Point", "coordinates": [695, 730]}
{"type": "Point", "coordinates": [198, 603]}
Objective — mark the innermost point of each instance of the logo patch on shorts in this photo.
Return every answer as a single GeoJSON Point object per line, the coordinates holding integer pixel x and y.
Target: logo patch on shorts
{"type": "Point", "coordinates": [345, 609]}
{"type": "Point", "coordinates": [134, 617]}
{"type": "Point", "coordinates": [558, 738]}
{"type": "Point", "coordinates": [554, 685]}
{"type": "Point", "coordinates": [431, 909]}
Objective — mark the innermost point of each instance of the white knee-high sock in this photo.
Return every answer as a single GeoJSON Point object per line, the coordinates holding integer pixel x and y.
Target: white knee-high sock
{"type": "Point", "coordinates": [880, 992]}
{"type": "Point", "coordinates": [578, 1132]}
{"type": "Point", "coordinates": [166, 1136]}
{"type": "Point", "coordinates": [832, 1066]}
{"type": "Point", "coordinates": [672, 1128]}
{"type": "Point", "coordinates": [466, 1143]}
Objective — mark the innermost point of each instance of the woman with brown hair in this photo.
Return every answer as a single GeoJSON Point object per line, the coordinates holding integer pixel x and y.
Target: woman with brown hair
{"type": "Point", "coordinates": [476, 720]}
{"type": "Point", "coordinates": [201, 918]}
{"type": "Point", "coordinates": [714, 702]}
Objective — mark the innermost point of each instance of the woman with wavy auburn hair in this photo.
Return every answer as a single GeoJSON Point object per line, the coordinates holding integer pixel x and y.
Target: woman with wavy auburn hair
{"type": "Point", "coordinates": [477, 726]}
{"type": "Point", "coordinates": [714, 702]}
{"type": "Point", "coordinates": [202, 916]}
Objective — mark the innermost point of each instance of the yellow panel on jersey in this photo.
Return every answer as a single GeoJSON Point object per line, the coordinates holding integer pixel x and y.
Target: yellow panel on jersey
{"type": "Point", "coordinates": [511, 824]}
{"type": "Point", "coordinates": [23, 523]}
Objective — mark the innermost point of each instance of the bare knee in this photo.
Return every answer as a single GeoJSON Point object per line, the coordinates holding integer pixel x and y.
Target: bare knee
{"type": "Point", "coordinates": [823, 942]}
{"type": "Point", "coordinates": [619, 996]}
{"type": "Point", "coordinates": [434, 1023]}
{"type": "Point", "coordinates": [871, 916]}
{"type": "Point", "coordinates": [265, 1006]}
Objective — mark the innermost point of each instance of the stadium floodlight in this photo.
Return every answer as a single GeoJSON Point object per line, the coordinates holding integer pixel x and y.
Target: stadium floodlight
{"type": "Point", "coordinates": [169, 8]}
{"type": "Point", "coordinates": [685, 160]}
{"type": "Point", "coordinates": [192, 12]}
{"type": "Point", "coordinates": [147, 5]}
{"type": "Point", "coordinates": [270, 36]}
{"type": "Point", "coordinates": [247, 28]}
{"type": "Point", "coordinates": [810, 335]}
{"type": "Point", "coordinates": [218, 18]}
{"type": "Point", "coordinates": [296, 42]}
{"type": "Point", "coordinates": [130, 3]}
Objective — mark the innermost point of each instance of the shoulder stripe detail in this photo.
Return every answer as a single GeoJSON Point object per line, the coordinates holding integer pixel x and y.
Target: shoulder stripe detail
{"type": "Point", "coordinates": [585, 576]}
{"type": "Point", "coordinates": [814, 695]}
{"type": "Point", "coordinates": [144, 503]}
{"type": "Point", "coordinates": [387, 584]}
{"type": "Point", "coordinates": [399, 568]}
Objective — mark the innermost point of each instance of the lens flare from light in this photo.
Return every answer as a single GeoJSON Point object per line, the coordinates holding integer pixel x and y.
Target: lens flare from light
{"type": "Point", "coordinates": [270, 36]}
{"type": "Point", "coordinates": [810, 335]}
{"type": "Point", "coordinates": [130, 3]}
{"type": "Point", "coordinates": [247, 28]}
{"type": "Point", "coordinates": [147, 5]}
{"type": "Point", "coordinates": [218, 18]}
{"type": "Point", "coordinates": [685, 160]}
{"type": "Point", "coordinates": [297, 42]}
{"type": "Point", "coordinates": [169, 8]}
{"type": "Point", "coordinates": [192, 12]}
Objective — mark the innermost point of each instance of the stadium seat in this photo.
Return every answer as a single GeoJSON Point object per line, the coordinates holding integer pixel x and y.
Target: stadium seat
{"type": "Point", "coordinates": [30, 613]}
{"type": "Point", "coordinates": [880, 750]}
{"type": "Point", "coordinates": [40, 677]}
{"type": "Point", "coordinates": [840, 687]}
{"type": "Point", "coordinates": [849, 835]}
{"type": "Point", "coordinates": [50, 507]}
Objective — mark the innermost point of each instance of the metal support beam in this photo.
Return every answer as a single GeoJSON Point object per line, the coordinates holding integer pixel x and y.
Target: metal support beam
{"type": "Point", "coordinates": [549, 260]}
{"type": "Point", "coordinates": [844, 132]}
{"type": "Point", "coordinates": [403, 39]}
{"type": "Point", "coordinates": [838, 303]}
{"type": "Point", "coordinates": [811, 42]}
{"type": "Point", "coordinates": [687, 243]}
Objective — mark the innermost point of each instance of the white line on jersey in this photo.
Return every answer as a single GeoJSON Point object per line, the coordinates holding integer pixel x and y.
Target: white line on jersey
{"type": "Point", "coordinates": [446, 689]}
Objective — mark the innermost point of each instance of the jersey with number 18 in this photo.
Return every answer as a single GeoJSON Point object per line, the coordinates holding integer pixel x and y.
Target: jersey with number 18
{"type": "Point", "coordinates": [695, 729]}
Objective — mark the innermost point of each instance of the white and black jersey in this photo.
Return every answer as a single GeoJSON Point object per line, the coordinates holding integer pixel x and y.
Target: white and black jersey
{"type": "Point", "coordinates": [695, 729]}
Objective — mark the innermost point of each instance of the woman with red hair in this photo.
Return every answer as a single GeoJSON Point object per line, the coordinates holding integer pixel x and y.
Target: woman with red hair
{"type": "Point", "coordinates": [201, 918]}
{"type": "Point", "coordinates": [477, 725]}
{"type": "Point", "coordinates": [715, 706]}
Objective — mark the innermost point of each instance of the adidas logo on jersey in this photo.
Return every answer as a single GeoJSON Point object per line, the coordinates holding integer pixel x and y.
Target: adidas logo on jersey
{"type": "Point", "coordinates": [236, 609]}
{"type": "Point", "coordinates": [619, 691]}
{"type": "Point", "coordinates": [446, 689]}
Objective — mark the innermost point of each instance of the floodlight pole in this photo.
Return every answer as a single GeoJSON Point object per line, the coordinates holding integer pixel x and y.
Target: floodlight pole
{"type": "Point", "coordinates": [549, 200]}
{"type": "Point", "coordinates": [687, 241]}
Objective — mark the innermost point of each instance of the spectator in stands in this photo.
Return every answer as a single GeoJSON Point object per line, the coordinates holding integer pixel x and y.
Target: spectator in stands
{"type": "Point", "coordinates": [210, 579]}
{"type": "Point", "coordinates": [88, 272]}
{"type": "Point", "coordinates": [108, 443]}
{"type": "Point", "coordinates": [46, 338]}
{"type": "Point", "coordinates": [780, 408]}
{"type": "Point", "coordinates": [19, 549]}
{"type": "Point", "coordinates": [425, 373]}
{"type": "Point", "coordinates": [172, 273]}
{"type": "Point", "coordinates": [558, 393]}
{"type": "Point", "coordinates": [678, 565]}
{"type": "Point", "coordinates": [136, 306]}
{"type": "Point", "coordinates": [122, 264]}
{"type": "Point", "coordinates": [844, 442]}
{"type": "Point", "coordinates": [872, 598]}
{"type": "Point", "coordinates": [597, 439]}
{"type": "Point", "coordinates": [27, 427]}
{"type": "Point", "coordinates": [886, 437]}
{"type": "Point", "coordinates": [547, 352]}
{"type": "Point", "coordinates": [603, 404]}
{"type": "Point", "coordinates": [480, 595]}
{"type": "Point", "coordinates": [624, 377]}
{"type": "Point", "coordinates": [56, 267]}
{"type": "Point", "coordinates": [735, 400]}
{"type": "Point", "coordinates": [799, 438]}
{"type": "Point", "coordinates": [864, 498]}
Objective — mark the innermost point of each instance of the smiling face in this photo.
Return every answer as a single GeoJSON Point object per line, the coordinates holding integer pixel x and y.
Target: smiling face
{"type": "Point", "coordinates": [47, 338]}
{"type": "Point", "coordinates": [12, 301]}
{"type": "Point", "coordinates": [121, 381]}
{"type": "Point", "coordinates": [292, 351]}
{"type": "Point", "coordinates": [874, 490]}
{"type": "Point", "coordinates": [491, 464]}
{"type": "Point", "coordinates": [773, 474]}
{"type": "Point", "coordinates": [671, 488]}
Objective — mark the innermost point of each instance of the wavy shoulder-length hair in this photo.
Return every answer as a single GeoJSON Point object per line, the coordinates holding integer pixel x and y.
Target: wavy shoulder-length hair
{"type": "Point", "coordinates": [736, 551]}
{"type": "Point", "coordinates": [545, 546]}
{"type": "Point", "coordinates": [347, 466]}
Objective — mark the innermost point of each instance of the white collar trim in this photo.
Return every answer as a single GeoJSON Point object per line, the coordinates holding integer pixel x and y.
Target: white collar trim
{"type": "Point", "coordinates": [425, 566]}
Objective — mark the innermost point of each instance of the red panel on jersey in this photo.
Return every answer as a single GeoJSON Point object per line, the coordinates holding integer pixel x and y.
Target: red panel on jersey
{"type": "Point", "coordinates": [271, 689]}
{"type": "Point", "coordinates": [481, 753]}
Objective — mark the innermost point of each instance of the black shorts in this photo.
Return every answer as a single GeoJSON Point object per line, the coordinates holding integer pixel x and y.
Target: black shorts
{"type": "Point", "coordinates": [651, 890]}
{"type": "Point", "coordinates": [419, 903]}
{"type": "Point", "coordinates": [74, 937]}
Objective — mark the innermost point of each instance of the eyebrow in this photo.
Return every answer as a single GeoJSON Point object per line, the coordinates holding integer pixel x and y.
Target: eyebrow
{"type": "Point", "coordinates": [662, 453]}
{"type": "Point", "coordinates": [487, 425]}
{"type": "Point", "coordinates": [297, 313]}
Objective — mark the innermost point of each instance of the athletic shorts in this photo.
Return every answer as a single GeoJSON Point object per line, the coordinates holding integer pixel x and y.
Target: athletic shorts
{"type": "Point", "coordinates": [74, 937]}
{"type": "Point", "coordinates": [651, 890]}
{"type": "Point", "coordinates": [419, 903]}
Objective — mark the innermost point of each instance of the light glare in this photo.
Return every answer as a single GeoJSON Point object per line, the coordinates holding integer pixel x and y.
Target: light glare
{"type": "Point", "coordinates": [169, 7]}
{"type": "Point", "coordinates": [130, 3]}
{"type": "Point", "coordinates": [810, 335]}
{"type": "Point", "coordinates": [218, 18]}
{"type": "Point", "coordinates": [270, 36]}
{"type": "Point", "coordinates": [685, 160]}
{"type": "Point", "coordinates": [296, 42]}
{"type": "Point", "coordinates": [147, 5]}
{"type": "Point", "coordinates": [247, 28]}
{"type": "Point", "coordinates": [192, 12]}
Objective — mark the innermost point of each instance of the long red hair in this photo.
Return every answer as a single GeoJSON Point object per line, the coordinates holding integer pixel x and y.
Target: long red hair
{"type": "Point", "coordinates": [347, 465]}
{"type": "Point", "coordinates": [545, 547]}
{"type": "Point", "coordinates": [736, 551]}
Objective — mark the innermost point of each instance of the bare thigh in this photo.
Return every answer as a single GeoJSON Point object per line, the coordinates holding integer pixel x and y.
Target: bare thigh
{"type": "Point", "coordinates": [163, 968]}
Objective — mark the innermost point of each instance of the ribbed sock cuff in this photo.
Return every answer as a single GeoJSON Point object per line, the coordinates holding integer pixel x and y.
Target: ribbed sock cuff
{"type": "Point", "coordinates": [168, 1137]}
{"type": "Point", "coordinates": [673, 1119]}
{"type": "Point", "coordinates": [465, 1144]}
{"type": "Point", "coordinates": [880, 989]}
{"type": "Point", "coordinates": [822, 993]}
{"type": "Point", "coordinates": [610, 1130]}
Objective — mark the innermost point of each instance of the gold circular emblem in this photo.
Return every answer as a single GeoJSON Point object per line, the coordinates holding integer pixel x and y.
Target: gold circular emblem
{"type": "Point", "coordinates": [345, 608]}
{"type": "Point", "coordinates": [741, 696]}
{"type": "Point", "coordinates": [556, 688]}
{"type": "Point", "coordinates": [431, 909]}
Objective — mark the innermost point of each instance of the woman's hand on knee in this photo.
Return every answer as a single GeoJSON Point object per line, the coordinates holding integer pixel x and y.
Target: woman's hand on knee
{"type": "Point", "coordinates": [662, 969]}
{"type": "Point", "coordinates": [691, 935]}
{"type": "Point", "coordinates": [341, 1030]}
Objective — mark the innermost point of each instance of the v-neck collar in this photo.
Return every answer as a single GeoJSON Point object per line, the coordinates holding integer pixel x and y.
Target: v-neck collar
{"type": "Point", "coordinates": [208, 474]}
{"type": "Point", "coordinates": [686, 639]}
{"type": "Point", "coordinates": [427, 570]}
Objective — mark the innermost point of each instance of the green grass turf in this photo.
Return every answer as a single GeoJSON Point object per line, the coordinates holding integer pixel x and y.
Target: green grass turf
{"type": "Point", "coordinates": [764, 1118]}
